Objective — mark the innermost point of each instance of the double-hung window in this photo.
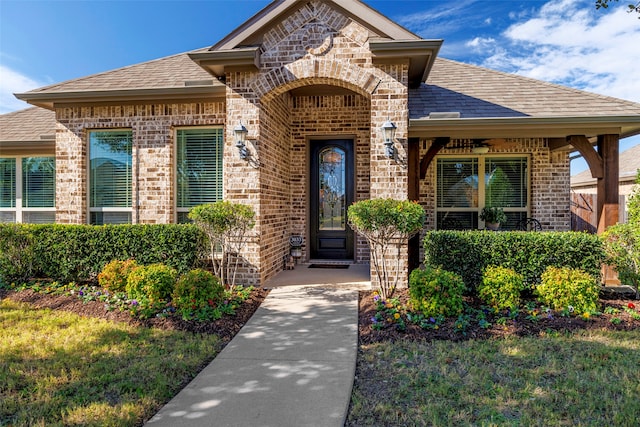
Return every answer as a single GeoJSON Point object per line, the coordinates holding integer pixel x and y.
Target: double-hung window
{"type": "Point", "coordinates": [199, 168]}
{"type": "Point", "coordinates": [27, 189]}
{"type": "Point", "coordinates": [110, 177]}
{"type": "Point", "coordinates": [465, 185]}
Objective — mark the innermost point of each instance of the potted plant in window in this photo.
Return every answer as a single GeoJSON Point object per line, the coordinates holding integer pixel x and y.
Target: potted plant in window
{"type": "Point", "coordinates": [493, 217]}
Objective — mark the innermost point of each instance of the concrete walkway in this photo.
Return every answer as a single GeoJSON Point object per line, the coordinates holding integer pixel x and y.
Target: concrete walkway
{"type": "Point", "coordinates": [292, 364]}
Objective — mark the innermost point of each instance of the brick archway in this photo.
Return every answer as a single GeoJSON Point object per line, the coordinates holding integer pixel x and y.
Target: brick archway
{"type": "Point", "coordinates": [315, 71]}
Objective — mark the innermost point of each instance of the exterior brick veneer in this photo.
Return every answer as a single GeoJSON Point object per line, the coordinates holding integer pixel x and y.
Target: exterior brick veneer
{"type": "Point", "coordinates": [315, 48]}
{"type": "Point", "coordinates": [153, 162]}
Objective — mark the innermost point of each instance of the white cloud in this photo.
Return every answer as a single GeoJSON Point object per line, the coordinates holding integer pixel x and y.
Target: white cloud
{"type": "Point", "coordinates": [570, 43]}
{"type": "Point", "coordinates": [13, 82]}
{"type": "Point", "coordinates": [481, 43]}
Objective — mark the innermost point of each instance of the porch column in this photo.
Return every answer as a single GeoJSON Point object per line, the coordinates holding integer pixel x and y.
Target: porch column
{"type": "Point", "coordinates": [608, 192]}
{"type": "Point", "coordinates": [608, 184]}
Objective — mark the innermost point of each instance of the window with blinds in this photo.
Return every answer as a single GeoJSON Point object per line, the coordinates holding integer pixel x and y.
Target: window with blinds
{"type": "Point", "coordinates": [7, 183]}
{"type": "Point", "coordinates": [466, 185]}
{"type": "Point", "coordinates": [38, 182]}
{"type": "Point", "coordinates": [199, 168]}
{"type": "Point", "coordinates": [110, 176]}
{"type": "Point", "coordinates": [27, 189]}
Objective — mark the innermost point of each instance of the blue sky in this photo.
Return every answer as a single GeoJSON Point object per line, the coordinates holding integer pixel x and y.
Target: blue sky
{"type": "Point", "coordinates": [561, 41]}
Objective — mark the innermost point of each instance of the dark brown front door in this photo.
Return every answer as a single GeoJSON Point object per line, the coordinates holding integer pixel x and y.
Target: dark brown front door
{"type": "Point", "coordinates": [331, 194]}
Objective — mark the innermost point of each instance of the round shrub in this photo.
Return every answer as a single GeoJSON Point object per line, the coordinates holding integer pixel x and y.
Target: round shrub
{"type": "Point", "coordinates": [501, 287]}
{"type": "Point", "coordinates": [197, 289]}
{"type": "Point", "coordinates": [114, 275]}
{"type": "Point", "coordinates": [154, 282]}
{"type": "Point", "coordinates": [568, 289]}
{"type": "Point", "coordinates": [434, 291]}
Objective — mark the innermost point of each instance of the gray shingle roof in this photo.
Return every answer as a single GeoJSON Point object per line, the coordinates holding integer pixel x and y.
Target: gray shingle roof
{"type": "Point", "coordinates": [28, 125]}
{"type": "Point", "coordinates": [168, 72]}
{"type": "Point", "coordinates": [478, 92]}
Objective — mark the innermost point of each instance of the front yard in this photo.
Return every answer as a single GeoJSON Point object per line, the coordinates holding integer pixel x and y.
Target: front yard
{"type": "Point", "coordinates": [59, 368]}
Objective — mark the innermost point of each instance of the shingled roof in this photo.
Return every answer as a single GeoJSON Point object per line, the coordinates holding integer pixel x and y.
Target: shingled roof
{"type": "Point", "coordinates": [477, 92]}
{"type": "Point", "coordinates": [171, 76]}
{"type": "Point", "coordinates": [26, 129]}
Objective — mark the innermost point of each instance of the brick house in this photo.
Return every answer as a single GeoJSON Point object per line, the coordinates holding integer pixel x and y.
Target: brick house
{"type": "Point", "coordinates": [312, 83]}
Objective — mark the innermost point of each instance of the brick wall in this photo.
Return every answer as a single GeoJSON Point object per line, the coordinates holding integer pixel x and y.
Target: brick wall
{"type": "Point", "coordinates": [153, 127]}
{"type": "Point", "coordinates": [315, 46]}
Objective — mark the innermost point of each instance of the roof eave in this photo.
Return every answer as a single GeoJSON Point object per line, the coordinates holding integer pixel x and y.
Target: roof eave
{"type": "Point", "coordinates": [518, 127]}
{"type": "Point", "coordinates": [50, 99]}
{"type": "Point", "coordinates": [420, 53]}
{"type": "Point", "coordinates": [215, 62]}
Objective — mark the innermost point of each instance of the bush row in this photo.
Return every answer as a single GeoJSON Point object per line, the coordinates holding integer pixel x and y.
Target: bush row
{"type": "Point", "coordinates": [79, 252]}
{"type": "Point", "coordinates": [436, 292]}
{"type": "Point", "coordinates": [469, 253]}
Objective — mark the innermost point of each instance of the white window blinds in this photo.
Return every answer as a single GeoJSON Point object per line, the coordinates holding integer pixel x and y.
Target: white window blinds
{"type": "Point", "coordinates": [199, 166]}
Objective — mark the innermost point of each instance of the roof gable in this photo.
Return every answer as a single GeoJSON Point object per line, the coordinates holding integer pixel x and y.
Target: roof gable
{"type": "Point", "coordinates": [251, 32]}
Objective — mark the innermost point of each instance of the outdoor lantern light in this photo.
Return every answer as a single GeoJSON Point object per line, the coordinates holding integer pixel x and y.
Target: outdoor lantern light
{"type": "Point", "coordinates": [241, 135]}
{"type": "Point", "coordinates": [389, 129]}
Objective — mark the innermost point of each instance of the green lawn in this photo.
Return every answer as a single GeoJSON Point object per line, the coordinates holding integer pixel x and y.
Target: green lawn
{"type": "Point", "coordinates": [585, 379]}
{"type": "Point", "coordinates": [57, 368]}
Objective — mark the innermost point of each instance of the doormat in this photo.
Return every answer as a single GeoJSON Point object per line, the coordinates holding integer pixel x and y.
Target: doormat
{"type": "Point", "coordinates": [338, 266]}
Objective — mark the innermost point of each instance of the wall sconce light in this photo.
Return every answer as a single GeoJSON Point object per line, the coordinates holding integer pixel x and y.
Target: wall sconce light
{"type": "Point", "coordinates": [389, 131]}
{"type": "Point", "coordinates": [240, 133]}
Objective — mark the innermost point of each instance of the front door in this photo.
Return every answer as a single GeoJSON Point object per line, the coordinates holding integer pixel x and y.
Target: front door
{"type": "Point", "coordinates": [331, 194]}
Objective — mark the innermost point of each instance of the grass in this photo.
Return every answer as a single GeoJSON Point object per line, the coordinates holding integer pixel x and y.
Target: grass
{"type": "Point", "coordinates": [57, 368]}
{"type": "Point", "coordinates": [583, 379]}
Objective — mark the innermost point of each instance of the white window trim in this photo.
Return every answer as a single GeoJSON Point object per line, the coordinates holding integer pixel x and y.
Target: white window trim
{"type": "Point", "coordinates": [19, 210]}
{"type": "Point", "coordinates": [481, 173]}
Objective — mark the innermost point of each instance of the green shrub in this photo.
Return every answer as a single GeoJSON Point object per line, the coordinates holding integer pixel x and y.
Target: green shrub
{"type": "Point", "coordinates": [67, 253]}
{"type": "Point", "coordinates": [17, 258]}
{"type": "Point", "coordinates": [435, 292]}
{"type": "Point", "coordinates": [468, 253]}
{"type": "Point", "coordinates": [501, 287]}
{"type": "Point", "coordinates": [153, 282]}
{"type": "Point", "coordinates": [568, 289]}
{"type": "Point", "coordinates": [195, 290]}
{"type": "Point", "coordinates": [114, 275]}
{"type": "Point", "coordinates": [387, 225]}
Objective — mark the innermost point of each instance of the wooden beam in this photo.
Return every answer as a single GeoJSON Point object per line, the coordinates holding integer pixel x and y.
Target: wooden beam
{"type": "Point", "coordinates": [608, 198]}
{"type": "Point", "coordinates": [436, 146]}
{"type": "Point", "coordinates": [593, 159]}
{"type": "Point", "coordinates": [608, 185]}
{"type": "Point", "coordinates": [558, 144]}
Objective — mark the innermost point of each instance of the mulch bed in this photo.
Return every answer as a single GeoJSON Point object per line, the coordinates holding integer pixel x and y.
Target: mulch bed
{"type": "Point", "coordinates": [225, 327]}
{"type": "Point", "coordinates": [520, 327]}
{"type": "Point", "coordinates": [228, 326]}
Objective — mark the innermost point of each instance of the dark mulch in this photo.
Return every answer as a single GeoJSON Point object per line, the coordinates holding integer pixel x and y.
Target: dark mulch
{"type": "Point", "coordinates": [520, 327]}
{"type": "Point", "coordinates": [225, 327]}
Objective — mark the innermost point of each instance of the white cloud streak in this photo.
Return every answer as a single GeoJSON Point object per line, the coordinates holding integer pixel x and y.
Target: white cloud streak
{"type": "Point", "coordinates": [570, 44]}
{"type": "Point", "coordinates": [12, 82]}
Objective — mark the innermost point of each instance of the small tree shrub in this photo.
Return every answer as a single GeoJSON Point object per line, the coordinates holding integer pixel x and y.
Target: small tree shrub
{"type": "Point", "coordinates": [227, 226]}
{"type": "Point", "coordinates": [568, 289]}
{"type": "Point", "coordinates": [501, 287]}
{"type": "Point", "coordinates": [153, 282]}
{"type": "Point", "coordinates": [114, 275]}
{"type": "Point", "coordinates": [387, 225]}
{"type": "Point", "coordinates": [436, 292]}
{"type": "Point", "coordinates": [196, 290]}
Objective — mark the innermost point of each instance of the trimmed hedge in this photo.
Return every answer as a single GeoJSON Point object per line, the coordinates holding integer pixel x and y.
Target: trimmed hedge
{"type": "Point", "coordinates": [468, 253]}
{"type": "Point", "coordinates": [79, 252]}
